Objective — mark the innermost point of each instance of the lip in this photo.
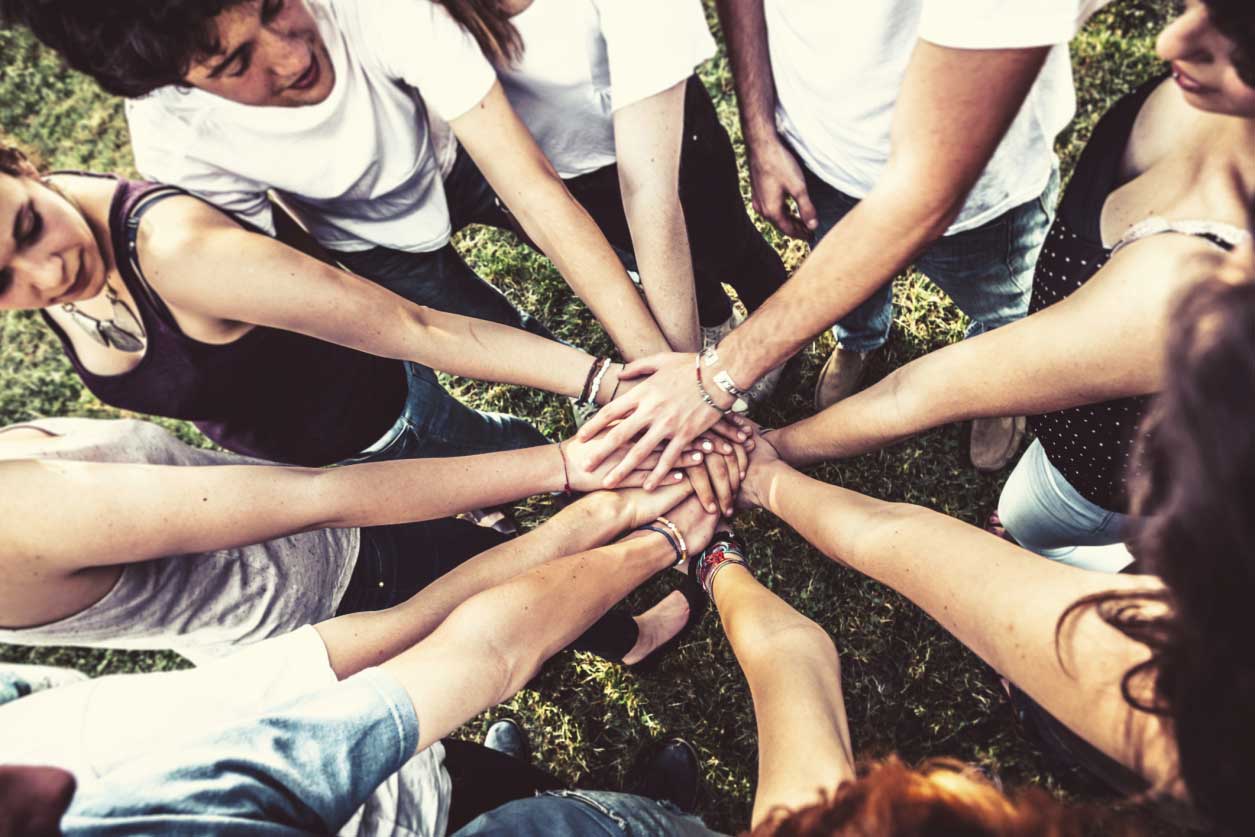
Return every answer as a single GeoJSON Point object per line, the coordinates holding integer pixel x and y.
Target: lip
{"type": "Point", "coordinates": [1187, 82]}
{"type": "Point", "coordinates": [310, 77]}
{"type": "Point", "coordinates": [79, 282]}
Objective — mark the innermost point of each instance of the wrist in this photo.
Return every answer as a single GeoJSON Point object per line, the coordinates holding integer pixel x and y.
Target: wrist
{"type": "Point", "coordinates": [652, 545]}
{"type": "Point", "coordinates": [610, 384]}
{"type": "Point", "coordinates": [762, 482]}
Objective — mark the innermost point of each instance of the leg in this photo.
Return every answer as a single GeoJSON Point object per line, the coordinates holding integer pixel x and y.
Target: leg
{"type": "Point", "coordinates": [484, 779]}
{"type": "Point", "coordinates": [725, 244]}
{"type": "Point", "coordinates": [579, 812]}
{"type": "Point", "coordinates": [1046, 515]}
{"type": "Point", "coordinates": [440, 280]}
{"type": "Point", "coordinates": [988, 271]}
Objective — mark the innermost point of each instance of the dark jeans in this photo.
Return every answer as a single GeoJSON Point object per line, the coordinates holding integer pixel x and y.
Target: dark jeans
{"type": "Point", "coordinates": [725, 244]}
{"type": "Point", "coordinates": [441, 279]}
{"type": "Point", "coordinates": [484, 779]}
{"type": "Point", "coordinates": [396, 562]}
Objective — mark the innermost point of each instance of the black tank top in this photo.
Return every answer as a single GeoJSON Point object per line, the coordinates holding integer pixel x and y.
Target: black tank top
{"type": "Point", "coordinates": [1092, 445]}
{"type": "Point", "coordinates": [271, 394]}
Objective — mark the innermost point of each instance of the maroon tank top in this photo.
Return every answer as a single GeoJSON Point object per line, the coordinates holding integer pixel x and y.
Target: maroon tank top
{"type": "Point", "coordinates": [271, 394]}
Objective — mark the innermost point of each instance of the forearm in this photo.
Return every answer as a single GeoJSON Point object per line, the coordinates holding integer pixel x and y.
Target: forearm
{"type": "Point", "coordinates": [660, 240]}
{"type": "Point", "coordinates": [794, 677]}
{"type": "Point", "coordinates": [360, 640]}
{"type": "Point", "coordinates": [871, 245]}
{"type": "Point", "coordinates": [493, 644]}
{"type": "Point", "coordinates": [745, 31]}
{"type": "Point", "coordinates": [566, 233]}
{"type": "Point", "coordinates": [381, 493]}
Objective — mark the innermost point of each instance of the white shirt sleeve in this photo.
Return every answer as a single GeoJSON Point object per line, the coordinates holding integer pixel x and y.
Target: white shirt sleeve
{"type": "Point", "coordinates": [1003, 24]}
{"type": "Point", "coordinates": [652, 45]}
{"type": "Point", "coordinates": [162, 155]}
{"type": "Point", "coordinates": [420, 43]}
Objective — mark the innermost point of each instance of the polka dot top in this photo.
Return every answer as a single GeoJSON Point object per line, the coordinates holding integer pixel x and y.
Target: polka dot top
{"type": "Point", "coordinates": [1092, 445]}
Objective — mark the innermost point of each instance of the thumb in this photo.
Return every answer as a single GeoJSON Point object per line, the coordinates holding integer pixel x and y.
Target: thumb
{"type": "Point", "coordinates": [805, 208]}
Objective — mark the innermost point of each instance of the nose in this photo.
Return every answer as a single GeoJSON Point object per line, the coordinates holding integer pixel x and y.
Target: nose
{"type": "Point", "coordinates": [287, 54]}
{"type": "Point", "coordinates": [45, 272]}
{"type": "Point", "coordinates": [1184, 39]}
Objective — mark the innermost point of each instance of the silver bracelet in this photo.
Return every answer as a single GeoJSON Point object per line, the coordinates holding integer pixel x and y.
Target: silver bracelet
{"type": "Point", "coordinates": [596, 388]}
{"type": "Point", "coordinates": [710, 402]}
{"type": "Point", "coordinates": [722, 379]}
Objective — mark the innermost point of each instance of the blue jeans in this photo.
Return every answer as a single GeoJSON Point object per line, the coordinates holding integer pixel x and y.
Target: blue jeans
{"type": "Point", "coordinates": [435, 424]}
{"type": "Point", "coordinates": [584, 813]}
{"type": "Point", "coordinates": [1045, 514]}
{"type": "Point", "coordinates": [987, 271]}
{"type": "Point", "coordinates": [441, 279]}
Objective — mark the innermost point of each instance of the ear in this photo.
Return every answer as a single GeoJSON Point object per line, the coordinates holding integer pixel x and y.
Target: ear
{"type": "Point", "coordinates": [12, 160]}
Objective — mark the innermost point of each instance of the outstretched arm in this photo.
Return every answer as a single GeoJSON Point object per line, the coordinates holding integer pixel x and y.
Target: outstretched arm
{"type": "Point", "coordinates": [647, 139]}
{"type": "Point", "coordinates": [492, 644]}
{"type": "Point", "coordinates": [125, 513]}
{"type": "Point", "coordinates": [974, 584]}
{"type": "Point", "coordinates": [1104, 341]}
{"type": "Point", "coordinates": [954, 108]}
{"type": "Point", "coordinates": [795, 680]}
{"type": "Point", "coordinates": [223, 278]}
{"type": "Point", "coordinates": [518, 170]}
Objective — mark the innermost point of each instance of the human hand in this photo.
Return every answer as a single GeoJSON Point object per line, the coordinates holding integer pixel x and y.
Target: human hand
{"type": "Point", "coordinates": [666, 406]}
{"type": "Point", "coordinates": [696, 525]}
{"type": "Point", "coordinates": [638, 507]}
{"type": "Point", "coordinates": [717, 479]}
{"type": "Point", "coordinates": [583, 476]}
{"type": "Point", "coordinates": [764, 464]}
{"type": "Point", "coordinates": [776, 176]}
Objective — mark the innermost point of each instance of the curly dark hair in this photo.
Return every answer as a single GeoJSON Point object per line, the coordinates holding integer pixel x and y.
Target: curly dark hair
{"type": "Point", "coordinates": [1236, 21]}
{"type": "Point", "coordinates": [1195, 497]}
{"type": "Point", "coordinates": [130, 47]}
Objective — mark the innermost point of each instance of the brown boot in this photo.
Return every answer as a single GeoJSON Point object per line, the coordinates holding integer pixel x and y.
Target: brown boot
{"type": "Point", "coordinates": [840, 377]}
{"type": "Point", "coordinates": [995, 441]}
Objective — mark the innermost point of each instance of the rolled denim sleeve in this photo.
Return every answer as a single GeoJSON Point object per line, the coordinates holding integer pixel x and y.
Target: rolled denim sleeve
{"type": "Point", "coordinates": [303, 768]}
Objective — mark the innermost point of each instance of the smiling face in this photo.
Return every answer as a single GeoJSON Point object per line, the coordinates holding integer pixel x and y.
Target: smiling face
{"type": "Point", "coordinates": [48, 253]}
{"type": "Point", "coordinates": [270, 54]}
{"type": "Point", "coordinates": [1203, 63]}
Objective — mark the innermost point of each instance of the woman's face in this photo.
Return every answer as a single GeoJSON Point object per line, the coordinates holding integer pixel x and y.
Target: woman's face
{"type": "Point", "coordinates": [1202, 63]}
{"type": "Point", "coordinates": [270, 54]}
{"type": "Point", "coordinates": [48, 253]}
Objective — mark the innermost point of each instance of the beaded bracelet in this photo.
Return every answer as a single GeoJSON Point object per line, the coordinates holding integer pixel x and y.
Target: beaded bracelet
{"type": "Point", "coordinates": [656, 528]}
{"type": "Point", "coordinates": [725, 551]}
{"type": "Point", "coordinates": [679, 537]}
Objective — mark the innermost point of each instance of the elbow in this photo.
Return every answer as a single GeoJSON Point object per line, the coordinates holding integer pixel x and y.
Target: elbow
{"type": "Point", "coordinates": [794, 639]}
{"type": "Point", "coordinates": [506, 662]}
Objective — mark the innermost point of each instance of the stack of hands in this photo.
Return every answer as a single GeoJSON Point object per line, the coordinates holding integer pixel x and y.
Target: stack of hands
{"type": "Point", "coordinates": [718, 473]}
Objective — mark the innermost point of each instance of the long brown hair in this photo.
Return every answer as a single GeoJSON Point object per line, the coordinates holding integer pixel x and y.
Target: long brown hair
{"type": "Point", "coordinates": [490, 25]}
{"type": "Point", "coordinates": [1195, 499]}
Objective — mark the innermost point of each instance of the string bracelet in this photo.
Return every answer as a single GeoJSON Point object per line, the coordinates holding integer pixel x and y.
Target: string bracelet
{"type": "Point", "coordinates": [725, 551]}
{"type": "Point", "coordinates": [682, 548]}
{"type": "Point", "coordinates": [566, 472]}
{"type": "Point", "coordinates": [654, 527]}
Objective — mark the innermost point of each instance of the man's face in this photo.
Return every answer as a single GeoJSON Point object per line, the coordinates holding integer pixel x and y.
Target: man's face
{"type": "Point", "coordinates": [270, 54]}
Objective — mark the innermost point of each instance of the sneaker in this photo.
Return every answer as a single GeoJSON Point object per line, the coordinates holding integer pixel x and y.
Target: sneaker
{"type": "Point", "coordinates": [506, 736]}
{"type": "Point", "coordinates": [19, 680]}
{"type": "Point", "coordinates": [995, 441]}
{"type": "Point", "coordinates": [499, 519]}
{"type": "Point", "coordinates": [841, 375]}
{"type": "Point", "coordinates": [582, 412]}
{"type": "Point", "coordinates": [672, 775]}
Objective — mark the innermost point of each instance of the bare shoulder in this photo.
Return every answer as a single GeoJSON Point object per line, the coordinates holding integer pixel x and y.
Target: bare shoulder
{"type": "Point", "coordinates": [178, 228]}
{"type": "Point", "coordinates": [1161, 265]}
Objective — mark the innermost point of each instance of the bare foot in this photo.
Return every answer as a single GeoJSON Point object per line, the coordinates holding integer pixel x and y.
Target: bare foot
{"type": "Point", "coordinates": [657, 625]}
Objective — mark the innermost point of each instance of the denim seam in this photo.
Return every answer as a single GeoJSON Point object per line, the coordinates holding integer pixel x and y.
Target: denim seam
{"type": "Point", "coordinates": [594, 804]}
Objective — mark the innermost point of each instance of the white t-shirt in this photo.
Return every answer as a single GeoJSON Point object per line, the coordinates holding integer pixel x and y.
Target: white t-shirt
{"type": "Point", "coordinates": [88, 728]}
{"type": "Point", "coordinates": [364, 167]}
{"type": "Point", "coordinates": [838, 69]}
{"type": "Point", "coordinates": [585, 59]}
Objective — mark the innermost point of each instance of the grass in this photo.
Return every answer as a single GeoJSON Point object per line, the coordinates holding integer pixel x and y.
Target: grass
{"type": "Point", "coordinates": [910, 688]}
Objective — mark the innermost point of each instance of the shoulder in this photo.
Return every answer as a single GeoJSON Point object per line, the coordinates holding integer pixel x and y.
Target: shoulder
{"type": "Point", "coordinates": [1158, 267]}
{"type": "Point", "coordinates": [178, 229]}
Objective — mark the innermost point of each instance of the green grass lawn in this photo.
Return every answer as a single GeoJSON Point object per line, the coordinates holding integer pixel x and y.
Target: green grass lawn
{"type": "Point", "coordinates": [909, 687]}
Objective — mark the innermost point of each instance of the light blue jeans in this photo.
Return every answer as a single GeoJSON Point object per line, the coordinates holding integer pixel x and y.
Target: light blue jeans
{"type": "Point", "coordinates": [987, 271]}
{"type": "Point", "coordinates": [585, 814]}
{"type": "Point", "coordinates": [1045, 514]}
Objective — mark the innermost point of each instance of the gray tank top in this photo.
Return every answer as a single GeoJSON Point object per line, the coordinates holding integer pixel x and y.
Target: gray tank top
{"type": "Point", "coordinates": [198, 605]}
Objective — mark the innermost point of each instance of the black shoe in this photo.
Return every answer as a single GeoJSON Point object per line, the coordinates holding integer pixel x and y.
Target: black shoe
{"type": "Point", "coordinates": [506, 736]}
{"type": "Point", "coordinates": [672, 775]}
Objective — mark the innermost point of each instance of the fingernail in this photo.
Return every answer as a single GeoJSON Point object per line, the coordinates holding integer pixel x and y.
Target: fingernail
{"type": "Point", "coordinates": [697, 457]}
{"type": "Point", "coordinates": [677, 476]}
{"type": "Point", "coordinates": [649, 486]}
{"type": "Point", "coordinates": [742, 475]}
{"type": "Point", "coordinates": [727, 512]}
{"type": "Point", "coordinates": [711, 508]}
{"type": "Point", "coordinates": [706, 446]}
{"type": "Point", "coordinates": [727, 448]}
{"type": "Point", "coordinates": [742, 435]}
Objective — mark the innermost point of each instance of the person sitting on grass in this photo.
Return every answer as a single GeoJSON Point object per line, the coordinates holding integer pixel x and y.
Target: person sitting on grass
{"type": "Point", "coordinates": [372, 120]}
{"type": "Point", "coordinates": [267, 742]}
{"type": "Point", "coordinates": [1166, 183]}
{"type": "Point", "coordinates": [1149, 675]}
{"type": "Point", "coordinates": [608, 89]}
{"type": "Point", "coordinates": [167, 306]}
{"type": "Point", "coordinates": [217, 551]}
